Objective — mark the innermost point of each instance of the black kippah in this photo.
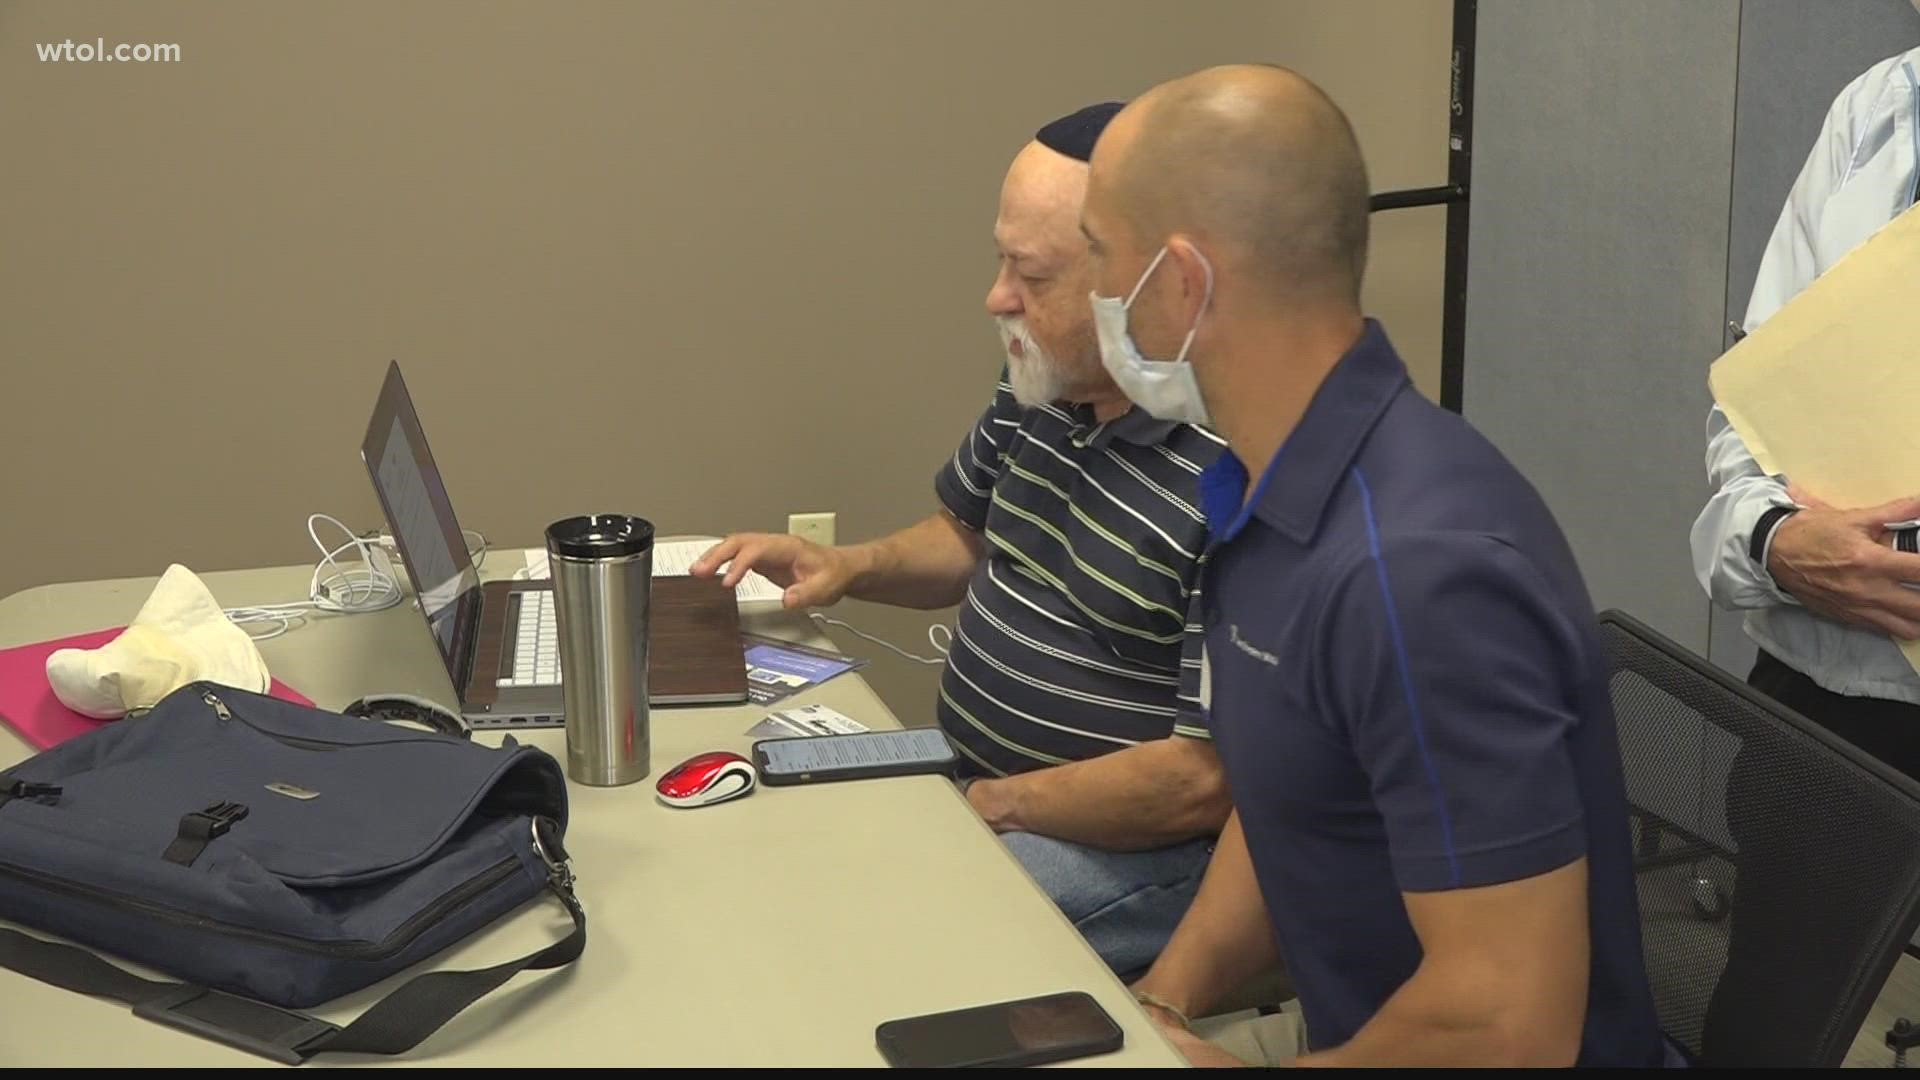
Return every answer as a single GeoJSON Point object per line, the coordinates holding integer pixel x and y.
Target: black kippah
{"type": "Point", "coordinates": [1075, 133]}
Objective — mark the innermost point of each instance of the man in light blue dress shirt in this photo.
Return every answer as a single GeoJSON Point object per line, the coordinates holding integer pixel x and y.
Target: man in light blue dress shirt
{"type": "Point", "coordinates": [1826, 588]}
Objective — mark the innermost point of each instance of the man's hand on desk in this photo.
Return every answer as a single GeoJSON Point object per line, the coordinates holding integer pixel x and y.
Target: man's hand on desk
{"type": "Point", "coordinates": [1837, 563]}
{"type": "Point", "coordinates": [992, 800]}
{"type": "Point", "coordinates": [813, 576]}
{"type": "Point", "coordinates": [1199, 1052]}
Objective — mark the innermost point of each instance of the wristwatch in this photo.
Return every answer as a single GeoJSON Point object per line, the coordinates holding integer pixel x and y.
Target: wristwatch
{"type": "Point", "coordinates": [1763, 530]}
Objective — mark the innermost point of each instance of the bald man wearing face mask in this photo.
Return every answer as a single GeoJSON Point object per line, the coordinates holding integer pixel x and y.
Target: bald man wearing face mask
{"type": "Point", "coordinates": [1402, 672]}
{"type": "Point", "coordinates": [1069, 531]}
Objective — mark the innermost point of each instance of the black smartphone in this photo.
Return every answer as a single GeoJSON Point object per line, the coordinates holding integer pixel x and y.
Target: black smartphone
{"type": "Point", "coordinates": [1033, 1031]}
{"type": "Point", "coordinates": [858, 756]}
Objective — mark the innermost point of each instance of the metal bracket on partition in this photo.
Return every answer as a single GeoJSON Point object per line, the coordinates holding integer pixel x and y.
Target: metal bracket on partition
{"type": "Point", "coordinates": [1454, 196]}
{"type": "Point", "coordinates": [1445, 195]}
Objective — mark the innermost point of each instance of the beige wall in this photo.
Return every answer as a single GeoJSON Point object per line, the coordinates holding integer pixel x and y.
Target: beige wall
{"type": "Point", "coordinates": [705, 261]}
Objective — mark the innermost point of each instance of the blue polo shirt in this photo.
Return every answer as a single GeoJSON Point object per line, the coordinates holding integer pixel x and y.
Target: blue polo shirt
{"type": "Point", "coordinates": [1406, 683]}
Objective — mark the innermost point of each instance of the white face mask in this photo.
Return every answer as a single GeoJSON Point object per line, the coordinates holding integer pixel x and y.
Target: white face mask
{"type": "Point", "coordinates": [1165, 388]}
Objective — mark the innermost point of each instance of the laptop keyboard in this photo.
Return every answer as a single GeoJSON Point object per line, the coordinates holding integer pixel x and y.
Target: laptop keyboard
{"type": "Point", "coordinates": [536, 652]}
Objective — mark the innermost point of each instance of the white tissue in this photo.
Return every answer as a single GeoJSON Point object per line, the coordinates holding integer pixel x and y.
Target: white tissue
{"type": "Point", "coordinates": [180, 635]}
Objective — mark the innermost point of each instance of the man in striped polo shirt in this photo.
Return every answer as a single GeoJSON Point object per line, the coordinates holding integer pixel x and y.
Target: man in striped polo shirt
{"type": "Point", "coordinates": [1070, 532]}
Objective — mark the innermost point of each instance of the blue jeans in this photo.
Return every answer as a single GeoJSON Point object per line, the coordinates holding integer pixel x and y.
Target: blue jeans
{"type": "Point", "coordinates": [1125, 903]}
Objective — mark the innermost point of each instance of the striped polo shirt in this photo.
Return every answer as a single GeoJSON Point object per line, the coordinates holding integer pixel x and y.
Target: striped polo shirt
{"type": "Point", "coordinates": [1080, 634]}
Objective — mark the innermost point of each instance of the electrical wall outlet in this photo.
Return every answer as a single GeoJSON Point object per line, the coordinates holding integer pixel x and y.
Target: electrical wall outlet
{"type": "Point", "coordinates": [815, 527]}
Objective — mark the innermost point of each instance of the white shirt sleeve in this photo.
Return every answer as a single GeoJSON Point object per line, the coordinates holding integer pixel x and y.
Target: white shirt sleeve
{"type": "Point", "coordinates": [1742, 491]}
{"type": "Point", "coordinates": [1723, 533]}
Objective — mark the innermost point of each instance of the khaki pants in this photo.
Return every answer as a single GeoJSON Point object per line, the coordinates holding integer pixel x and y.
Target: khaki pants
{"type": "Point", "coordinates": [1259, 1040]}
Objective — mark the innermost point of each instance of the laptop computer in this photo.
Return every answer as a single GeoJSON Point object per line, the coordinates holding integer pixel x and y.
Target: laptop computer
{"type": "Point", "coordinates": [499, 639]}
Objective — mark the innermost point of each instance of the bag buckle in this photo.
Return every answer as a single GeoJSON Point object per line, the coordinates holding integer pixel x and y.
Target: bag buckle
{"type": "Point", "coordinates": [253, 1026]}
{"type": "Point", "coordinates": [546, 844]}
{"type": "Point", "coordinates": [200, 828]}
{"type": "Point", "coordinates": [27, 789]}
{"type": "Point", "coordinates": [220, 817]}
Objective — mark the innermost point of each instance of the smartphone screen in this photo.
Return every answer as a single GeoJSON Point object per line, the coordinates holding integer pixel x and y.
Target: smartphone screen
{"type": "Point", "coordinates": [1029, 1032]}
{"type": "Point", "coordinates": [863, 753]}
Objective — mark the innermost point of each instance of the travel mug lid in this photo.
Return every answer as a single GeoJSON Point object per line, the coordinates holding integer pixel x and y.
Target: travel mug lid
{"type": "Point", "coordinates": [600, 536]}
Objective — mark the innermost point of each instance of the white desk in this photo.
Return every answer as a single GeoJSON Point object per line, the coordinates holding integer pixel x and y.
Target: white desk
{"type": "Point", "coordinates": [777, 930]}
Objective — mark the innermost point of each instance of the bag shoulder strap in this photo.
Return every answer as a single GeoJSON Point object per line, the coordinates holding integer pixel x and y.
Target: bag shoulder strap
{"type": "Point", "coordinates": [393, 1025]}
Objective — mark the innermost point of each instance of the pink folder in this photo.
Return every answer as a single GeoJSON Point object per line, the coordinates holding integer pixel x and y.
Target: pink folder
{"type": "Point", "coordinates": [27, 704]}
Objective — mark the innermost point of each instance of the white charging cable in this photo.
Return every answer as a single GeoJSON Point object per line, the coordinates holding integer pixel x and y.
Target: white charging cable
{"type": "Point", "coordinates": [336, 587]}
{"type": "Point", "coordinates": [934, 638]}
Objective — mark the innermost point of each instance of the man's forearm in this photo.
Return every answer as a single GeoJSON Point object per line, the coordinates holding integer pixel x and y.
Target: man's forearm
{"type": "Point", "coordinates": [923, 566]}
{"type": "Point", "coordinates": [1723, 560]}
{"type": "Point", "coordinates": [1143, 797]}
{"type": "Point", "coordinates": [1225, 938]}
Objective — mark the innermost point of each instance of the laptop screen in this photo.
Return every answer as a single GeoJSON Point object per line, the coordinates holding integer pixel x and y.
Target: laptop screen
{"type": "Point", "coordinates": [420, 516]}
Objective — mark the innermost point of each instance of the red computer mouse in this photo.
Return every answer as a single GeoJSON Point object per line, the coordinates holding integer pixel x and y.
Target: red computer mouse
{"type": "Point", "coordinates": [705, 779]}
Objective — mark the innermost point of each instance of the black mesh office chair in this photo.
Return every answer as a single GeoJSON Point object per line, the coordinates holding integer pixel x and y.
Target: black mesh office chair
{"type": "Point", "coordinates": [1778, 867]}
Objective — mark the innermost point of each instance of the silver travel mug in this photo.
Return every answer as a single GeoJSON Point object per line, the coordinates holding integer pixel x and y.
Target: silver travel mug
{"type": "Point", "coordinates": [602, 567]}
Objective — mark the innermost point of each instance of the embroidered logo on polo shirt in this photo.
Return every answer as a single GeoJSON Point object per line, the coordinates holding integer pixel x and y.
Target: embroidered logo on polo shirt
{"type": "Point", "coordinates": [1265, 657]}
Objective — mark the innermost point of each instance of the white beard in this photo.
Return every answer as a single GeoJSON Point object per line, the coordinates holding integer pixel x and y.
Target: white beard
{"type": "Point", "coordinates": [1035, 377]}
